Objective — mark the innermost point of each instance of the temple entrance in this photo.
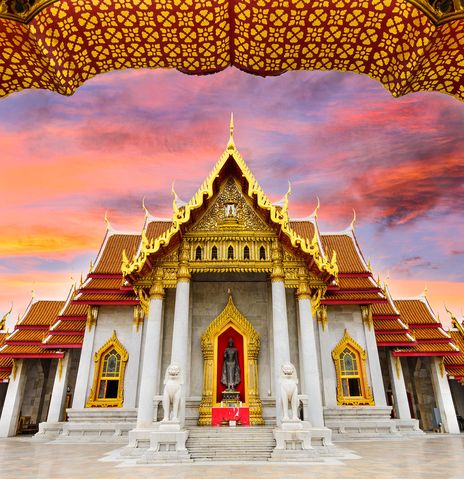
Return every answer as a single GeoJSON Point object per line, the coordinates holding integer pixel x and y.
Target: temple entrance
{"type": "Point", "coordinates": [230, 347]}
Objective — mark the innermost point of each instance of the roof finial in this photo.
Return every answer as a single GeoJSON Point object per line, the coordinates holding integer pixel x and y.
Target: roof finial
{"type": "Point", "coordinates": [107, 221]}
{"type": "Point", "coordinates": [3, 320]}
{"type": "Point", "coordinates": [354, 220]}
{"type": "Point", "coordinates": [231, 144]}
{"type": "Point", "coordinates": [144, 207]}
{"type": "Point", "coordinates": [424, 293]}
{"type": "Point", "coordinates": [316, 209]}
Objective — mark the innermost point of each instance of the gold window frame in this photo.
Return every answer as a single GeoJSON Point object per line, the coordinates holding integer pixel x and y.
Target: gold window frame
{"type": "Point", "coordinates": [94, 400]}
{"type": "Point", "coordinates": [366, 398]}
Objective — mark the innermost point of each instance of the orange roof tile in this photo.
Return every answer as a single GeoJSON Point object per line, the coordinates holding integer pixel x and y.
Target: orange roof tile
{"type": "Point", "coordinates": [430, 333]}
{"type": "Point", "coordinates": [4, 375]}
{"type": "Point", "coordinates": [459, 341]}
{"type": "Point", "coordinates": [156, 228]}
{"type": "Point", "coordinates": [384, 309]}
{"type": "Point", "coordinates": [356, 283]}
{"type": "Point", "coordinates": [304, 228]}
{"type": "Point", "coordinates": [58, 340]}
{"type": "Point", "coordinates": [73, 309]}
{"type": "Point", "coordinates": [388, 324]}
{"type": "Point", "coordinates": [20, 350]}
{"type": "Point", "coordinates": [431, 348]}
{"type": "Point", "coordinates": [32, 335]}
{"type": "Point", "coordinates": [348, 259]}
{"type": "Point", "coordinates": [394, 338]}
{"type": "Point", "coordinates": [359, 296]}
{"type": "Point", "coordinates": [129, 296]}
{"type": "Point", "coordinates": [110, 259]}
{"type": "Point", "coordinates": [414, 311]}
{"type": "Point", "coordinates": [6, 362]}
{"type": "Point", "coordinates": [103, 283]}
{"type": "Point", "coordinates": [68, 326]}
{"type": "Point", "coordinates": [42, 313]}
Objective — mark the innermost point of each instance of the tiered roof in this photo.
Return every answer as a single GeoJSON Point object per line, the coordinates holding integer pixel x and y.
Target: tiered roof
{"type": "Point", "coordinates": [431, 338]}
{"type": "Point", "coordinates": [455, 364]}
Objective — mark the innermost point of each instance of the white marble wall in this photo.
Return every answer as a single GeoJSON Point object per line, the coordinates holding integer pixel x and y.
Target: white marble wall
{"type": "Point", "coordinates": [119, 319]}
{"type": "Point", "coordinates": [341, 317]}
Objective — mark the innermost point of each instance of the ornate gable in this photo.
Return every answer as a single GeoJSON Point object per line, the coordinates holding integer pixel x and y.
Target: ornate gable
{"type": "Point", "coordinates": [230, 212]}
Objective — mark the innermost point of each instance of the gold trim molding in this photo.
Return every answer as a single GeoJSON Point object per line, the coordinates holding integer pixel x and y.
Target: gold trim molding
{"type": "Point", "coordinates": [230, 317]}
{"type": "Point", "coordinates": [367, 398]}
{"type": "Point", "coordinates": [93, 400]}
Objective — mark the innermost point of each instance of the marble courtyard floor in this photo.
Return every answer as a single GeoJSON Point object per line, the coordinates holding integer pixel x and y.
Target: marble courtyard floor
{"type": "Point", "coordinates": [432, 456]}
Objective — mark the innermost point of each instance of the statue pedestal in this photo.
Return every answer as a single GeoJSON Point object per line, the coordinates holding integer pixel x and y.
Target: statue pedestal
{"type": "Point", "coordinates": [293, 442]}
{"type": "Point", "coordinates": [167, 444]}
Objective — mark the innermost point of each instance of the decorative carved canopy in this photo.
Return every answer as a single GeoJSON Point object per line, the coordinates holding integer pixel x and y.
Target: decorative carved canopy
{"type": "Point", "coordinates": [407, 45]}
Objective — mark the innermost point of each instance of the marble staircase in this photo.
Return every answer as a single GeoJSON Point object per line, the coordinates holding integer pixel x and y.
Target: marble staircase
{"type": "Point", "coordinates": [230, 444]}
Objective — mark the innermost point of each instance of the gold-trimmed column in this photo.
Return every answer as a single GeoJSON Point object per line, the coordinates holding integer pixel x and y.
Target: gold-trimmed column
{"type": "Point", "coordinates": [151, 356]}
{"type": "Point", "coordinates": [279, 322]}
{"type": "Point", "coordinates": [206, 403]}
{"type": "Point", "coordinates": [254, 402]}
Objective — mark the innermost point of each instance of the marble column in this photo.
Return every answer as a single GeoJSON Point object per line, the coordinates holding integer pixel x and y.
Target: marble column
{"type": "Point", "coordinates": [378, 389]}
{"type": "Point", "coordinates": [279, 324]}
{"type": "Point", "coordinates": [443, 396]}
{"type": "Point", "coordinates": [13, 399]}
{"type": "Point", "coordinates": [400, 394]}
{"type": "Point", "coordinates": [308, 351]}
{"type": "Point", "coordinates": [85, 361]}
{"type": "Point", "coordinates": [58, 398]}
{"type": "Point", "coordinates": [151, 357]}
{"type": "Point", "coordinates": [180, 332]}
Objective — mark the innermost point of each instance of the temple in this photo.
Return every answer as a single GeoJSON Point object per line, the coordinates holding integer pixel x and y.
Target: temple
{"type": "Point", "coordinates": [317, 350]}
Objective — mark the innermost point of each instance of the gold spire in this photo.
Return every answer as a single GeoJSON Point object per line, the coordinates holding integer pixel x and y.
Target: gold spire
{"type": "Point", "coordinates": [144, 207]}
{"type": "Point", "coordinates": [289, 192]}
{"type": "Point", "coordinates": [424, 293]}
{"type": "Point", "coordinates": [3, 320]}
{"type": "Point", "coordinates": [316, 209]}
{"type": "Point", "coordinates": [107, 221]}
{"type": "Point", "coordinates": [354, 220]}
{"type": "Point", "coordinates": [231, 144]}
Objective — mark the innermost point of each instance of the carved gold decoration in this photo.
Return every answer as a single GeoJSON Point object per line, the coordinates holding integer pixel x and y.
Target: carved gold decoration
{"type": "Point", "coordinates": [322, 316]}
{"type": "Point", "coordinates": [3, 320]}
{"type": "Point", "coordinates": [277, 266]}
{"type": "Point", "coordinates": [93, 400]}
{"type": "Point", "coordinates": [441, 11]}
{"type": "Point", "coordinates": [398, 366]}
{"type": "Point", "coordinates": [92, 315]}
{"type": "Point", "coordinates": [441, 364]}
{"type": "Point", "coordinates": [60, 368]}
{"type": "Point", "coordinates": [14, 369]}
{"type": "Point", "coordinates": [278, 216]}
{"type": "Point", "coordinates": [366, 398]}
{"type": "Point", "coordinates": [22, 11]}
{"type": "Point", "coordinates": [366, 314]}
{"type": "Point", "coordinates": [303, 291]}
{"type": "Point", "coordinates": [316, 299]}
{"type": "Point", "coordinates": [139, 316]}
{"type": "Point", "coordinates": [183, 273]}
{"type": "Point", "coordinates": [230, 317]}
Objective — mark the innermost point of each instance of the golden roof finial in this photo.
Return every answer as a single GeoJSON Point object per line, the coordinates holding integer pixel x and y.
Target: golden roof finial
{"type": "Point", "coordinates": [369, 266]}
{"type": "Point", "coordinates": [90, 266]}
{"type": "Point", "coordinates": [289, 192]}
{"type": "Point", "coordinates": [231, 144]}
{"type": "Point", "coordinates": [424, 293]}
{"type": "Point", "coordinates": [354, 220]}
{"type": "Point", "coordinates": [3, 320]}
{"type": "Point", "coordinates": [107, 221]}
{"type": "Point", "coordinates": [316, 209]}
{"type": "Point", "coordinates": [144, 207]}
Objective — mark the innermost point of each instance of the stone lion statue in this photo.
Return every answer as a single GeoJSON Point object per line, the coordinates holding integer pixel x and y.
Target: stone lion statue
{"type": "Point", "coordinates": [289, 390]}
{"type": "Point", "coordinates": [172, 393]}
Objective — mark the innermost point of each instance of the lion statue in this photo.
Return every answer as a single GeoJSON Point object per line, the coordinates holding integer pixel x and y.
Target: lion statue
{"type": "Point", "coordinates": [172, 393]}
{"type": "Point", "coordinates": [289, 391]}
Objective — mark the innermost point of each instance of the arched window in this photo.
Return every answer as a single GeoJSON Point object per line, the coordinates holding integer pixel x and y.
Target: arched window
{"type": "Point", "coordinates": [108, 383]}
{"type": "Point", "coordinates": [246, 253]}
{"type": "Point", "coordinates": [214, 253]}
{"type": "Point", "coordinates": [262, 253]}
{"type": "Point", "coordinates": [230, 252]}
{"type": "Point", "coordinates": [198, 253]}
{"type": "Point", "coordinates": [350, 365]}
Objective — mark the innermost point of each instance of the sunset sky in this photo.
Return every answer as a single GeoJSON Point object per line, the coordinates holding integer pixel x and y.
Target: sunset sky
{"type": "Point", "coordinates": [127, 135]}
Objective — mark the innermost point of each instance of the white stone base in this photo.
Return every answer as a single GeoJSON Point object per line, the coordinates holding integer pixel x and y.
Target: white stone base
{"type": "Point", "coordinates": [362, 422]}
{"type": "Point", "coordinates": [293, 442]}
{"type": "Point", "coordinates": [409, 427]}
{"type": "Point", "coordinates": [167, 444]}
{"type": "Point", "coordinates": [49, 430]}
{"type": "Point", "coordinates": [98, 424]}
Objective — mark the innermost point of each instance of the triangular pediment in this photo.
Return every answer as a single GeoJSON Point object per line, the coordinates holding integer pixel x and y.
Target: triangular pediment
{"type": "Point", "coordinates": [230, 211]}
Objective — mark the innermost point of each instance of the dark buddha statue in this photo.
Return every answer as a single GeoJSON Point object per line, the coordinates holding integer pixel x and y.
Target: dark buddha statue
{"type": "Point", "coordinates": [230, 376]}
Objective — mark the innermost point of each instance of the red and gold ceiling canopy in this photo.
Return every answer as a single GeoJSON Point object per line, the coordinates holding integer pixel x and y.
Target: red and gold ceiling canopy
{"type": "Point", "coordinates": [407, 45]}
